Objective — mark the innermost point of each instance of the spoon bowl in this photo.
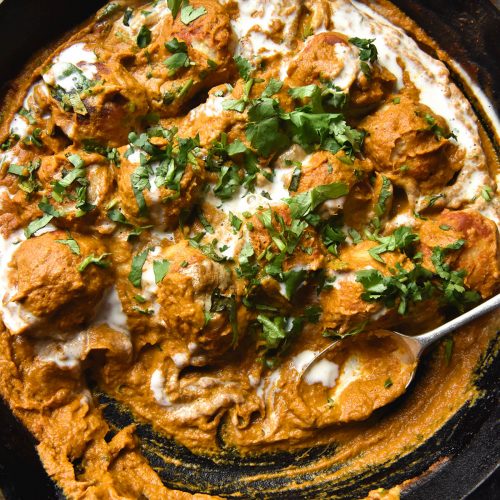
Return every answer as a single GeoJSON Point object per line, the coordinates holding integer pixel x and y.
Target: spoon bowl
{"type": "Point", "coordinates": [414, 346]}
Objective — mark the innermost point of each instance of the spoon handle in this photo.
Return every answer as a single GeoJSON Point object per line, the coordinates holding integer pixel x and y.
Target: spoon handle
{"type": "Point", "coordinates": [430, 337]}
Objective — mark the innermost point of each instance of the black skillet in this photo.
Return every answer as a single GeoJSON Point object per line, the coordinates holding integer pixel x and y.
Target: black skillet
{"type": "Point", "coordinates": [468, 30]}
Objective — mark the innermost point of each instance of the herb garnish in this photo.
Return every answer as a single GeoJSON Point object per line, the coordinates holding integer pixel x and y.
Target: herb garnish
{"type": "Point", "coordinates": [92, 259]}
{"type": "Point", "coordinates": [138, 261]}
{"type": "Point", "coordinates": [160, 269]}
{"type": "Point", "coordinates": [143, 37]}
{"type": "Point", "coordinates": [367, 53]}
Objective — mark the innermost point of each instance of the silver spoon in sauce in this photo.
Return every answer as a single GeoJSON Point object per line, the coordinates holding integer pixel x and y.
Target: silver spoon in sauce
{"type": "Point", "coordinates": [416, 345]}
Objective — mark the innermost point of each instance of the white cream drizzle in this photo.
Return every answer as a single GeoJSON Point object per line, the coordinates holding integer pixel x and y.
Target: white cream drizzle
{"type": "Point", "coordinates": [61, 74]}
{"type": "Point", "coordinates": [253, 26]}
{"type": "Point", "coordinates": [322, 372]}
{"type": "Point", "coordinates": [430, 76]}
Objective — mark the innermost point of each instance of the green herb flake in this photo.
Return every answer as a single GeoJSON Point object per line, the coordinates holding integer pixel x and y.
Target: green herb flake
{"type": "Point", "coordinates": [76, 161]}
{"type": "Point", "coordinates": [190, 14]}
{"type": "Point", "coordinates": [304, 203]}
{"type": "Point", "coordinates": [174, 6]}
{"type": "Point", "coordinates": [236, 222]}
{"type": "Point", "coordinates": [138, 261]}
{"type": "Point", "coordinates": [487, 193]}
{"type": "Point", "coordinates": [388, 383]}
{"type": "Point", "coordinates": [37, 224]}
{"type": "Point", "coordinates": [127, 15]}
{"type": "Point", "coordinates": [92, 259]}
{"type": "Point", "coordinates": [244, 67]}
{"type": "Point", "coordinates": [72, 244]}
{"type": "Point", "coordinates": [295, 179]}
{"type": "Point", "coordinates": [160, 269]}
{"type": "Point", "coordinates": [144, 37]}
{"type": "Point", "coordinates": [448, 350]}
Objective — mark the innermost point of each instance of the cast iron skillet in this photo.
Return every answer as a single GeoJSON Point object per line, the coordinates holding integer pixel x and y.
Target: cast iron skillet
{"type": "Point", "coordinates": [464, 454]}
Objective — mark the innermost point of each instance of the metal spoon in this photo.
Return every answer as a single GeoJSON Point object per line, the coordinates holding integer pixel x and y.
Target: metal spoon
{"type": "Point", "coordinates": [416, 345]}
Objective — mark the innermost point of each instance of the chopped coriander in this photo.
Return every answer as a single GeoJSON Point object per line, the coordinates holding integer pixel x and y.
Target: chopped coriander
{"type": "Point", "coordinates": [305, 203]}
{"type": "Point", "coordinates": [160, 269]}
{"type": "Point", "coordinates": [140, 299]}
{"type": "Point", "coordinates": [337, 335]}
{"type": "Point", "coordinates": [487, 193]}
{"type": "Point", "coordinates": [444, 227]}
{"type": "Point", "coordinates": [247, 261]}
{"type": "Point", "coordinates": [27, 114]}
{"type": "Point", "coordinates": [72, 244]}
{"type": "Point", "coordinates": [177, 61]}
{"type": "Point", "coordinates": [92, 259]}
{"type": "Point", "coordinates": [384, 195]}
{"type": "Point", "coordinates": [244, 67]}
{"type": "Point", "coordinates": [174, 6]}
{"type": "Point", "coordinates": [223, 303]}
{"type": "Point", "coordinates": [204, 222]}
{"type": "Point", "coordinates": [434, 198]}
{"type": "Point", "coordinates": [388, 383]}
{"type": "Point", "coordinates": [140, 181]}
{"type": "Point", "coordinates": [367, 53]}
{"type": "Point", "coordinates": [27, 182]}
{"type": "Point", "coordinates": [438, 131]}
{"type": "Point", "coordinates": [293, 280]}
{"type": "Point", "coordinates": [272, 88]}
{"type": "Point", "coordinates": [401, 288]}
{"type": "Point", "coordinates": [400, 239]}
{"type": "Point", "coordinates": [184, 263]}
{"type": "Point", "coordinates": [312, 313]}
{"type": "Point", "coordinates": [138, 261]}
{"type": "Point", "coordinates": [127, 15]}
{"type": "Point", "coordinates": [145, 312]}
{"type": "Point", "coordinates": [34, 137]}
{"type": "Point", "coordinates": [190, 14]}
{"type": "Point", "coordinates": [355, 236]}
{"type": "Point", "coordinates": [295, 180]}
{"type": "Point", "coordinates": [277, 333]}
{"type": "Point", "coordinates": [144, 37]}
{"type": "Point", "coordinates": [107, 10]}
{"type": "Point", "coordinates": [37, 224]}
{"type": "Point", "coordinates": [236, 222]}
{"type": "Point", "coordinates": [396, 100]}
{"type": "Point", "coordinates": [208, 249]}
{"type": "Point", "coordinates": [332, 237]}
{"type": "Point", "coordinates": [76, 161]}
{"type": "Point", "coordinates": [452, 285]}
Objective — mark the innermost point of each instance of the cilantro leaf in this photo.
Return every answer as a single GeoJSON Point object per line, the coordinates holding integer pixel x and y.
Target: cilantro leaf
{"type": "Point", "coordinates": [92, 259]}
{"type": "Point", "coordinates": [368, 52]}
{"type": "Point", "coordinates": [138, 261]}
{"type": "Point", "coordinates": [190, 14]}
{"type": "Point", "coordinates": [140, 181]}
{"type": "Point", "coordinates": [174, 6]}
{"type": "Point", "coordinates": [160, 269]}
{"type": "Point", "coordinates": [272, 88]}
{"type": "Point", "coordinates": [72, 244]}
{"type": "Point", "coordinates": [305, 203]}
{"type": "Point", "coordinates": [177, 61]}
{"type": "Point", "coordinates": [244, 67]}
{"type": "Point", "coordinates": [402, 288]}
{"type": "Point", "coordinates": [127, 15]}
{"type": "Point", "coordinates": [143, 37]}
{"type": "Point", "coordinates": [37, 224]}
{"type": "Point", "coordinates": [401, 239]}
{"type": "Point", "coordinates": [224, 303]}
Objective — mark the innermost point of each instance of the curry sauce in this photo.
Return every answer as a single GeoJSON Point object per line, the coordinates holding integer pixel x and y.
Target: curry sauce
{"type": "Point", "coordinates": [197, 198]}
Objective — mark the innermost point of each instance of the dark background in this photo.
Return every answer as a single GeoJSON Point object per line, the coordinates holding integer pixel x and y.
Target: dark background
{"type": "Point", "coordinates": [468, 29]}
